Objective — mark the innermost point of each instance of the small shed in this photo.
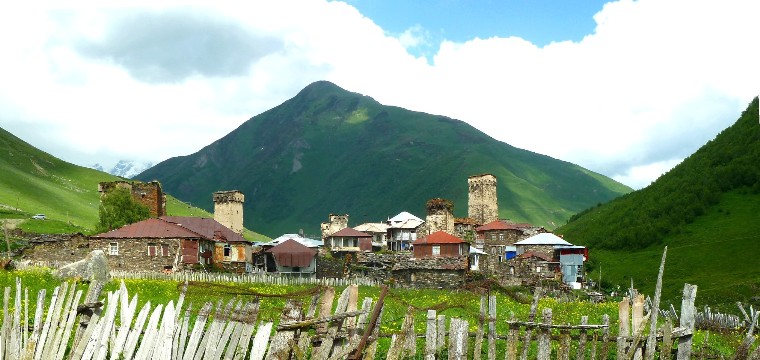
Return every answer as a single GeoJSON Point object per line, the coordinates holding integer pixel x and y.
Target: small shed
{"type": "Point", "coordinates": [293, 258]}
{"type": "Point", "coordinates": [440, 244]}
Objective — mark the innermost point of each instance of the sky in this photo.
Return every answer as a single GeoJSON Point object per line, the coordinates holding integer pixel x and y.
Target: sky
{"type": "Point", "coordinates": [626, 88]}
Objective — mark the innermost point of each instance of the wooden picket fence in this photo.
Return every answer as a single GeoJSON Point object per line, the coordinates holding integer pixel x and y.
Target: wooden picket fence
{"type": "Point", "coordinates": [68, 326]}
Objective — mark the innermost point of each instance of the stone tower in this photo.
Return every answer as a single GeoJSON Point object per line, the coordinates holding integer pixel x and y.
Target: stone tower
{"type": "Point", "coordinates": [483, 205]}
{"type": "Point", "coordinates": [228, 209]}
{"type": "Point", "coordinates": [440, 216]}
{"type": "Point", "coordinates": [336, 223]}
{"type": "Point", "coordinates": [148, 194]}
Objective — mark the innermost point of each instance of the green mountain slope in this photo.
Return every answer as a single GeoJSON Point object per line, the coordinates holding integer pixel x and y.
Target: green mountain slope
{"type": "Point", "coordinates": [328, 150]}
{"type": "Point", "coordinates": [32, 182]}
{"type": "Point", "coordinates": [705, 210]}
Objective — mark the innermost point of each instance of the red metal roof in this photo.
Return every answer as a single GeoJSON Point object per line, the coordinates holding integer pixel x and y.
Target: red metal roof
{"type": "Point", "coordinates": [150, 228]}
{"type": "Point", "coordinates": [292, 253]}
{"type": "Point", "coordinates": [350, 232]}
{"type": "Point", "coordinates": [439, 237]}
{"type": "Point", "coordinates": [209, 228]}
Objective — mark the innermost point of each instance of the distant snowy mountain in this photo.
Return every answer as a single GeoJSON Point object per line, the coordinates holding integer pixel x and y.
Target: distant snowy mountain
{"type": "Point", "coordinates": [125, 168]}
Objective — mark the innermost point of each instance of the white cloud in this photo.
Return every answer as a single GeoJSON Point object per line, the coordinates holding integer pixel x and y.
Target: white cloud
{"type": "Point", "coordinates": [656, 80]}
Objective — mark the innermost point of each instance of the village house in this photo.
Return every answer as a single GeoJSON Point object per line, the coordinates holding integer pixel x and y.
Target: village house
{"type": "Point", "coordinates": [379, 232]}
{"type": "Point", "coordinates": [231, 251]}
{"type": "Point", "coordinates": [263, 260]}
{"type": "Point", "coordinates": [154, 245]}
{"type": "Point", "coordinates": [498, 239]}
{"type": "Point", "coordinates": [293, 258]}
{"type": "Point", "coordinates": [440, 244]}
{"type": "Point", "coordinates": [402, 231]}
{"type": "Point", "coordinates": [349, 240]}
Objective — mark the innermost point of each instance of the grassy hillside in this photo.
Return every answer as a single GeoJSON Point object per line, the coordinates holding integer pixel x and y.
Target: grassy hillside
{"type": "Point", "coordinates": [33, 182]}
{"type": "Point", "coordinates": [705, 210]}
{"type": "Point", "coordinates": [328, 150]}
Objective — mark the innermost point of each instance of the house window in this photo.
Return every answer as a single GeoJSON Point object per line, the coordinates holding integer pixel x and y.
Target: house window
{"type": "Point", "coordinates": [227, 250]}
{"type": "Point", "coordinates": [538, 269]}
{"type": "Point", "coordinates": [501, 237]}
{"type": "Point", "coordinates": [113, 248]}
{"type": "Point", "coordinates": [436, 250]}
{"type": "Point", "coordinates": [152, 250]}
{"type": "Point", "coordinates": [164, 250]}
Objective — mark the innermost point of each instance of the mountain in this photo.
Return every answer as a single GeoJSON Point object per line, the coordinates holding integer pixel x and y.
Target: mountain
{"type": "Point", "coordinates": [33, 182]}
{"type": "Point", "coordinates": [125, 168]}
{"type": "Point", "coordinates": [705, 210]}
{"type": "Point", "coordinates": [328, 150]}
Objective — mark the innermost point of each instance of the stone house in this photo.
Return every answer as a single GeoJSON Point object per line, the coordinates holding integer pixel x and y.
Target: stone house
{"type": "Point", "coordinates": [231, 251]}
{"type": "Point", "coordinates": [402, 231]}
{"type": "Point", "coordinates": [498, 238]}
{"type": "Point", "coordinates": [440, 244]}
{"type": "Point", "coordinates": [154, 245]}
{"type": "Point", "coordinates": [532, 266]}
{"type": "Point", "coordinates": [349, 240]}
{"type": "Point", "coordinates": [294, 259]}
{"type": "Point", "coordinates": [543, 243]}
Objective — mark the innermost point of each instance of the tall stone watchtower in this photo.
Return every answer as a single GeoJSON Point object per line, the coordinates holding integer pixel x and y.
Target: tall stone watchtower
{"type": "Point", "coordinates": [440, 216]}
{"type": "Point", "coordinates": [228, 209]}
{"type": "Point", "coordinates": [148, 194]}
{"type": "Point", "coordinates": [483, 205]}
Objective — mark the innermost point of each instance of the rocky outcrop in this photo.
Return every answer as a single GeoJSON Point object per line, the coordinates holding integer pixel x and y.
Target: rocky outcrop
{"type": "Point", "coordinates": [92, 268]}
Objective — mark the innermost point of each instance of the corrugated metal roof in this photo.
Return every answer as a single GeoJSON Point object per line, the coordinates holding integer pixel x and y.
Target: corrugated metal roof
{"type": "Point", "coordinates": [285, 237]}
{"type": "Point", "coordinates": [372, 227]}
{"type": "Point", "coordinates": [349, 232]}
{"type": "Point", "coordinates": [503, 225]}
{"type": "Point", "coordinates": [209, 228]}
{"type": "Point", "coordinates": [439, 237]}
{"type": "Point", "coordinates": [543, 239]}
{"type": "Point", "coordinates": [292, 253]}
{"type": "Point", "coordinates": [150, 228]}
{"type": "Point", "coordinates": [403, 216]}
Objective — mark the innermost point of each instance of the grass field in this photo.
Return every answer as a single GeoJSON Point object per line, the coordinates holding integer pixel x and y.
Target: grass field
{"type": "Point", "coordinates": [458, 303]}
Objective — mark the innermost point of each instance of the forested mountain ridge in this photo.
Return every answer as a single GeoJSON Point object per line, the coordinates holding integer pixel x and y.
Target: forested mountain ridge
{"type": "Point", "coordinates": [328, 150]}
{"type": "Point", "coordinates": [647, 216]}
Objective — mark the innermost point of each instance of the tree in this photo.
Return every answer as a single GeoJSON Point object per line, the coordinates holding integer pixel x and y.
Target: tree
{"type": "Point", "coordinates": [118, 208]}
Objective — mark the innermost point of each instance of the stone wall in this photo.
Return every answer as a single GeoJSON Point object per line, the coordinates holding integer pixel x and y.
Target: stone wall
{"type": "Point", "coordinates": [228, 209]}
{"type": "Point", "coordinates": [482, 202]}
{"type": "Point", "coordinates": [148, 194]}
{"type": "Point", "coordinates": [133, 254]}
{"type": "Point", "coordinates": [409, 272]}
{"type": "Point", "coordinates": [56, 248]}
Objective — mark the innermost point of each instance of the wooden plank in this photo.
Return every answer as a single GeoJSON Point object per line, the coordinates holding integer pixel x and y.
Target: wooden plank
{"type": "Point", "coordinates": [130, 345]}
{"type": "Point", "coordinates": [48, 322]}
{"type": "Point", "coordinates": [492, 327]}
{"type": "Point", "coordinates": [227, 333]}
{"type": "Point", "coordinates": [637, 313]}
{"type": "Point", "coordinates": [260, 341]}
{"type": "Point", "coordinates": [245, 338]}
{"type": "Point", "coordinates": [478, 348]}
{"type": "Point", "coordinates": [687, 321]}
{"type": "Point", "coordinates": [563, 351]}
{"type": "Point", "coordinates": [651, 344]}
{"type": "Point", "coordinates": [16, 337]}
{"type": "Point", "coordinates": [440, 343]}
{"type": "Point", "coordinates": [37, 327]}
{"type": "Point", "coordinates": [281, 344]}
{"type": "Point", "coordinates": [369, 354]}
{"type": "Point", "coordinates": [667, 340]}
{"type": "Point", "coordinates": [72, 315]}
{"type": "Point", "coordinates": [50, 352]}
{"type": "Point", "coordinates": [163, 347]}
{"type": "Point", "coordinates": [304, 341]}
{"type": "Point", "coordinates": [624, 330]}
{"type": "Point", "coordinates": [372, 326]}
{"type": "Point", "coordinates": [605, 337]}
{"type": "Point", "coordinates": [325, 348]}
{"type": "Point", "coordinates": [328, 295]}
{"type": "Point", "coordinates": [85, 336]}
{"type": "Point", "coordinates": [510, 353]}
{"type": "Point", "coordinates": [101, 350]}
{"type": "Point", "coordinates": [399, 346]}
{"type": "Point", "coordinates": [197, 333]}
{"type": "Point", "coordinates": [237, 331]}
{"type": "Point", "coordinates": [145, 350]}
{"type": "Point", "coordinates": [431, 335]}
{"type": "Point", "coordinates": [126, 314]}
{"type": "Point", "coordinates": [458, 338]}
{"type": "Point", "coordinates": [544, 337]}
{"type": "Point", "coordinates": [211, 337]}
{"type": "Point", "coordinates": [531, 317]}
{"type": "Point", "coordinates": [581, 353]}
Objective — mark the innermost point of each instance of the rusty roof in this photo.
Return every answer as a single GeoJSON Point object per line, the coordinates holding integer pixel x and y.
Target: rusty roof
{"type": "Point", "coordinates": [438, 237]}
{"type": "Point", "coordinates": [503, 225]}
{"type": "Point", "coordinates": [350, 232]}
{"type": "Point", "coordinates": [292, 253]}
{"type": "Point", "coordinates": [530, 254]}
{"type": "Point", "coordinates": [209, 228]}
{"type": "Point", "coordinates": [150, 228]}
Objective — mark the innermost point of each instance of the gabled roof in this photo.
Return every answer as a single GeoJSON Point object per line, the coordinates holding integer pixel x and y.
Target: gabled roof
{"type": "Point", "coordinates": [403, 216]}
{"type": "Point", "coordinates": [530, 254]}
{"type": "Point", "coordinates": [543, 239]}
{"type": "Point", "coordinates": [209, 228]}
{"type": "Point", "coordinates": [349, 232]}
{"type": "Point", "coordinates": [285, 237]}
{"type": "Point", "coordinates": [438, 237]}
{"type": "Point", "coordinates": [150, 228]}
{"type": "Point", "coordinates": [292, 253]}
{"type": "Point", "coordinates": [503, 225]}
{"type": "Point", "coordinates": [372, 227]}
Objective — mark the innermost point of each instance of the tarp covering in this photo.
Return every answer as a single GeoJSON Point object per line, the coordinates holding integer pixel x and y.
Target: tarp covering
{"type": "Point", "coordinates": [293, 254]}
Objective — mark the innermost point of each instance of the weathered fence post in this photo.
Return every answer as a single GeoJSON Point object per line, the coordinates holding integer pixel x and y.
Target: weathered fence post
{"type": "Point", "coordinates": [624, 331]}
{"type": "Point", "coordinates": [531, 317]}
{"type": "Point", "coordinates": [652, 338]}
{"type": "Point", "coordinates": [582, 341]}
{"type": "Point", "coordinates": [281, 345]}
{"type": "Point", "coordinates": [511, 350]}
{"type": "Point", "coordinates": [492, 327]}
{"type": "Point", "coordinates": [544, 337]}
{"type": "Point", "coordinates": [431, 335]}
{"type": "Point", "coordinates": [458, 330]}
{"type": "Point", "coordinates": [687, 321]}
{"type": "Point", "coordinates": [481, 324]}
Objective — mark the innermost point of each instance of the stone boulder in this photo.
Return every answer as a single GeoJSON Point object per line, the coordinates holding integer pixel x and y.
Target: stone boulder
{"type": "Point", "coordinates": [94, 267]}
